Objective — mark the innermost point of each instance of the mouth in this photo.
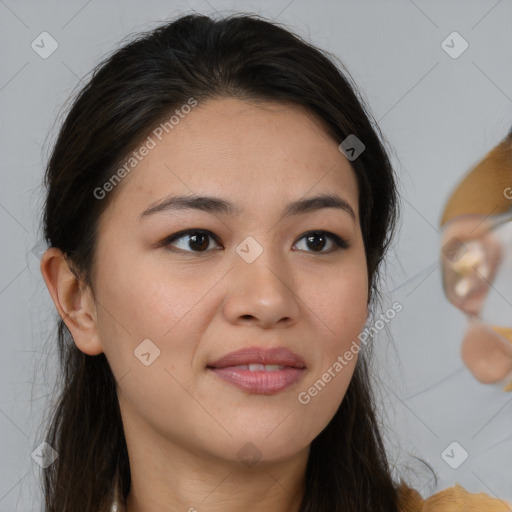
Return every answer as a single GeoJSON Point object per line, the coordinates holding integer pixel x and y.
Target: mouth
{"type": "Point", "coordinates": [260, 371]}
{"type": "Point", "coordinates": [255, 367]}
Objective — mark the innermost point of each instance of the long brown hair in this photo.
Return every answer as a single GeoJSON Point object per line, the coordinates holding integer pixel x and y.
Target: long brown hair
{"type": "Point", "coordinates": [128, 94]}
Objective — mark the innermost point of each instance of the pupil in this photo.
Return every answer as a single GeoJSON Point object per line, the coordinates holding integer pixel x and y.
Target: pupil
{"type": "Point", "coordinates": [200, 236]}
{"type": "Point", "coordinates": [317, 245]}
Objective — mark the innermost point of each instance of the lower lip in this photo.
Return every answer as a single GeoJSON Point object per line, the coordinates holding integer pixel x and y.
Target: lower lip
{"type": "Point", "coordinates": [260, 382]}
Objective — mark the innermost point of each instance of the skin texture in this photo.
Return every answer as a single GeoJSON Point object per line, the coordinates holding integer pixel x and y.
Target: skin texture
{"type": "Point", "coordinates": [184, 426]}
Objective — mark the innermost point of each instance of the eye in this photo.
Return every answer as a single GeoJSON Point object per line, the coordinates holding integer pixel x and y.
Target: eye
{"type": "Point", "coordinates": [198, 241]}
{"type": "Point", "coordinates": [317, 240]}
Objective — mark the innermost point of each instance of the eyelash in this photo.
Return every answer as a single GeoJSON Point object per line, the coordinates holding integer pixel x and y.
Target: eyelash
{"type": "Point", "coordinates": [339, 243]}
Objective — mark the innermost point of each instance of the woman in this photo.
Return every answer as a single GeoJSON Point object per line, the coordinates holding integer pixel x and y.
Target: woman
{"type": "Point", "coordinates": [201, 376]}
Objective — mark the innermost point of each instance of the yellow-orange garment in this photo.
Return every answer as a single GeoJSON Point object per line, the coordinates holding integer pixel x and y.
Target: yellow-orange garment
{"type": "Point", "coordinates": [453, 499]}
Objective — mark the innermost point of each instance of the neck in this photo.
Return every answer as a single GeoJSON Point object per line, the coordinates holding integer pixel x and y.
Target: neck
{"type": "Point", "coordinates": [173, 479]}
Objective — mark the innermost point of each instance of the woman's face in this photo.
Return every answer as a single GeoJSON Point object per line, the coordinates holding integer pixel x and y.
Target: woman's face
{"type": "Point", "coordinates": [166, 311]}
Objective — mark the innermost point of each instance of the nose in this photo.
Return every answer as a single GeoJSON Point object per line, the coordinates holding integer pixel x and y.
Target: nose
{"type": "Point", "coordinates": [262, 293]}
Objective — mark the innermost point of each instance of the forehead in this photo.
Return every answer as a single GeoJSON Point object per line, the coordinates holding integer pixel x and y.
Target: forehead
{"type": "Point", "coordinates": [262, 154]}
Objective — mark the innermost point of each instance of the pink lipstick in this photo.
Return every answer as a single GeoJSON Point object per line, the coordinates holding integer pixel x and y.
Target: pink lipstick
{"type": "Point", "coordinates": [259, 370]}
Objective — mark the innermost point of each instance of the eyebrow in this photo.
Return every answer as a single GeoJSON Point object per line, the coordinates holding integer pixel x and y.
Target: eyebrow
{"type": "Point", "coordinates": [212, 204]}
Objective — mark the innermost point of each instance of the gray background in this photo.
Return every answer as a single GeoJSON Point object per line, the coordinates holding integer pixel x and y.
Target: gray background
{"type": "Point", "coordinates": [440, 116]}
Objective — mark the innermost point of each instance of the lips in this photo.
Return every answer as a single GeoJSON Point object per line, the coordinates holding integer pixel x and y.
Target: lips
{"type": "Point", "coordinates": [260, 356]}
{"type": "Point", "coordinates": [260, 371]}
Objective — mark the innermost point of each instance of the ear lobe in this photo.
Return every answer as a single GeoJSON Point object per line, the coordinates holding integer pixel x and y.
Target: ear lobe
{"type": "Point", "coordinates": [75, 306]}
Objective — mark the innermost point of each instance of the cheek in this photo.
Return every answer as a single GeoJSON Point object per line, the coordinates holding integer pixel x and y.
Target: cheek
{"type": "Point", "coordinates": [147, 326]}
{"type": "Point", "coordinates": [339, 302]}
{"type": "Point", "coordinates": [146, 299]}
{"type": "Point", "coordinates": [340, 311]}
{"type": "Point", "coordinates": [139, 302]}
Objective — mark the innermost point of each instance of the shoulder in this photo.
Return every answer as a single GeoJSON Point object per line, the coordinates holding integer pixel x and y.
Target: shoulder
{"type": "Point", "coordinates": [452, 499]}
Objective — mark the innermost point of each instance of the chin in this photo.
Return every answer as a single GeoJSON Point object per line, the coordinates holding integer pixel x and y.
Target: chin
{"type": "Point", "coordinates": [257, 447]}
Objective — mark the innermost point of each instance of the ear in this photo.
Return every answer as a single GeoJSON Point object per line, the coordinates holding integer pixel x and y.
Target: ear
{"type": "Point", "coordinates": [76, 306]}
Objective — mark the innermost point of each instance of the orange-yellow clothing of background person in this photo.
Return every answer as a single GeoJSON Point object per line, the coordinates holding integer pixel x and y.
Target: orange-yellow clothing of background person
{"type": "Point", "coordinates": [453, 499]}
